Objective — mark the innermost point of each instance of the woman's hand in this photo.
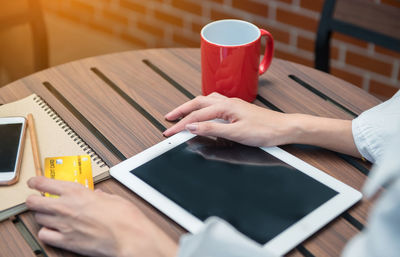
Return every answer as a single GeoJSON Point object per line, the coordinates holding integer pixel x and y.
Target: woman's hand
{"type": "Point", "coordinates": [247, 123]}
{"type": "Point", "coordinates": [94, 223]}
{"type": "Point", "coordinates": [252, 125]}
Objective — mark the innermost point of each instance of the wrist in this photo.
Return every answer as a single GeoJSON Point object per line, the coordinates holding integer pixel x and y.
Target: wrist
{"type": "Point", "coordinates": [153, 242]}
{"type": "Point", "coordinates": [312, 130]}
{"type": "Point", "coordinates": [164, 246]}
{"type": "Point", "coordinates": [300, 128]}
{"type": "Point", "coordinates": [332, 134]}
{"type": "Point", "coordinates": [168, 248]}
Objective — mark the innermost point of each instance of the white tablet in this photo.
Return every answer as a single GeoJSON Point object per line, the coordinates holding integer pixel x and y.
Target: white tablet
{"type": "Point", "coordinates": [267, 194]}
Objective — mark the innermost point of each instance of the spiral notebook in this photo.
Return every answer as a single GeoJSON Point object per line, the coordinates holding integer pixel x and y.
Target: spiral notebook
{"type": "Point", "coordinates": [55, 138]}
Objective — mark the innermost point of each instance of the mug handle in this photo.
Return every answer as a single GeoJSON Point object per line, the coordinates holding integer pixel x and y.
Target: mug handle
{"type": "Point", "coordinates": [269, 51]}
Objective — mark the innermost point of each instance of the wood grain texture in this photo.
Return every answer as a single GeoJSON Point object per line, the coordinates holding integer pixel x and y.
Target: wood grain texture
{"type": "Point", "coordinates": [131, 132]}
{"type": "Point", "coordinates": [21, 89]}
{"type": "Point", "coordinates": [354, 98]}
{"type": "Point", "coordinates": [121, 124]}
{"type": "Point", "coordinates": [337, 231]}
{"type": "Point", "coordinates": [11, 241]}
{"type": "Point", "coordinates": [144, 86]}
{"type": "Point", "coordinates": [294, 253]}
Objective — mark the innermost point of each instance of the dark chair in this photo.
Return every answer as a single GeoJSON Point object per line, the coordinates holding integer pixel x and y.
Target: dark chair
{"type": "Point", "coordinates": [18, 12]}
{"type": "Point", "coordinates": [365, 20]}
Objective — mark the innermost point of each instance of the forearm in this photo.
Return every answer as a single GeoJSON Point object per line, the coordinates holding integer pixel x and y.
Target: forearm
{"type": "Point", "coordinates": [332, 134]}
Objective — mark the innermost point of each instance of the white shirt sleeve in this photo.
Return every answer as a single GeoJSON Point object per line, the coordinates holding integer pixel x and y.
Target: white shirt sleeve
{"type": "Point", "coordinates": [372, 129]}
{"type": "Point", "coordinates": [382, 235]}
{"type": "Point", "coordinates": [219, 239]}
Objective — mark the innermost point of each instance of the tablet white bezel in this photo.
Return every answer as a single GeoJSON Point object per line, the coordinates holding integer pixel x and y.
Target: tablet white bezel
{"type": "Point", "coordinates": [282, 243]}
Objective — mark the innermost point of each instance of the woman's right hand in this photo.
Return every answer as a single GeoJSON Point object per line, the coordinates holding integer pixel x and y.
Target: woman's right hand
{"type": "Point", "coordinates": [252, 125]}
{"type": "Point", "coordinates": [246, 123]}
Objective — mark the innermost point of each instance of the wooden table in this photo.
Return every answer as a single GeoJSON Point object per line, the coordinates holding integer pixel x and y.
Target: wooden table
{"type": "Point", "coordinates": [116, 103]}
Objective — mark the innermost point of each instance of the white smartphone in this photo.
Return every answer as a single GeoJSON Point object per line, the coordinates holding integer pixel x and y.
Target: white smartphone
{"type": "Point", "coordinates": [12, 138]}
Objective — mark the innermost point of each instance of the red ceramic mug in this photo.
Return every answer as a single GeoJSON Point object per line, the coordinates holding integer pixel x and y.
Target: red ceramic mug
{"type": "Point", "coordinates": [230, 58]}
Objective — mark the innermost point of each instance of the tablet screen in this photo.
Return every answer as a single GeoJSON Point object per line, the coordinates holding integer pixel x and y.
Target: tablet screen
{"type": "Point", "coordinates": [257, 193]}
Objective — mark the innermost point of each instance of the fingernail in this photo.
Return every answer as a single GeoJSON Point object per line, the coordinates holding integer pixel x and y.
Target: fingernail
{"type": "Point", "coordinates": [30, 183]}
{"type": "Point", "coordinates": [192, 127]}
{"type": "Point", "coordinates": [167, 115]}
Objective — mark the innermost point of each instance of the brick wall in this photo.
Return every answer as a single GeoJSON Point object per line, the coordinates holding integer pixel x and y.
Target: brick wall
{"type": "Point", "coordinates": [293, 23]}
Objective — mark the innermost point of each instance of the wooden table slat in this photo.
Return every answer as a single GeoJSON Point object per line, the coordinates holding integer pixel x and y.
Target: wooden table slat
{"type": "Point", "coordinates": [352, 97]}
{"type": "Point", "coordinates": [11, 241]}
{"type": "Point", "coordinates": [141, 84]}
{"type": "Point", "coordinates": [124, 126]}
{"type": "Point", "coordinates": [338, 231]}
{"type": "Point", "coordinates": [21, 89]}
{"type": "Point", "coordinates": [294, 253]}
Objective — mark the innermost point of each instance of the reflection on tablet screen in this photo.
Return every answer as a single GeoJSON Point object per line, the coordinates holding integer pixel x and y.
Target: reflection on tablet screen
{"type": "Point", "coordinates": [257, 193]}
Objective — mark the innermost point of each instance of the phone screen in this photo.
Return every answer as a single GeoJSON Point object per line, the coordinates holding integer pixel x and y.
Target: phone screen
{"type": "Point", "coordinates": [9, 142]}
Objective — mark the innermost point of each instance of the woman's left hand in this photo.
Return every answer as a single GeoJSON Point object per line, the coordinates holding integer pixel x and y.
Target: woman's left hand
{"type": "Point", "coordinates": [94, 223]}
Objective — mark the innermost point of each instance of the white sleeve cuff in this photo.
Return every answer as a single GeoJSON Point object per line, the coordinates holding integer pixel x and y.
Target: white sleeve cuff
{"type": "Point", "coordinates": [373, 129]}
{"type": "Point", "coordinates": [219, 239]}
{"type": "Point", "coordinates": [361, 130]}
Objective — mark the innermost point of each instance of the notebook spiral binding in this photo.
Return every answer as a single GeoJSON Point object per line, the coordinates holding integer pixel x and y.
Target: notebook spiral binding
{"type": "Point", "coordinates": [70, 132]}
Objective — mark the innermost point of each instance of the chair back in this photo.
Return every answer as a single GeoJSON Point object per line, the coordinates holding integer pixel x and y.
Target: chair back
{"type": "Point", "coordinates": [365, 20]}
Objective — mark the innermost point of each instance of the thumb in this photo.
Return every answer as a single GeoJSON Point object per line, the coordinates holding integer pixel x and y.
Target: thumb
{"type": "Point", "coordinates": [211, 128]}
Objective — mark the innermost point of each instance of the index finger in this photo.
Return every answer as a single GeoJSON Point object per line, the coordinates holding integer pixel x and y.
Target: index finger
{"type": "Point", "coordinates": [51, 186]}
{"type": "Point", "coordinates": [208, 113]}
{"type": "Point", "coordinates": [195, 104]}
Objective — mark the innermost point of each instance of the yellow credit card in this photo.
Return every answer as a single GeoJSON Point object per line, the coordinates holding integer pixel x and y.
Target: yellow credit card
{"type": "Point", "coordinates": [70, 168]}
